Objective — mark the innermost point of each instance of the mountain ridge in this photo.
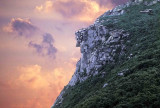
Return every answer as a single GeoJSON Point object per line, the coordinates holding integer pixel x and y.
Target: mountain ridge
{"type": "Point", "coordinates": [108, 44]}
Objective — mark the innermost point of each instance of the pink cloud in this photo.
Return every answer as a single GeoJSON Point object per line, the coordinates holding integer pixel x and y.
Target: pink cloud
{"type": "Point", "coordinates": [81, 10]}
{"type": "Point", "coordinates": [46, 47]}
{"type": "Point", "coordinates": [22, 27]}
{"type": "Point", "coordinates": [69, 8]}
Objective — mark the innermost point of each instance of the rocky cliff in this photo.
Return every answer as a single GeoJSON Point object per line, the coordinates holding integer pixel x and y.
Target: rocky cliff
{"type": "Point", "coordinates": [99, 45]}
{"type": "Point", "coordinates": [102, 45]}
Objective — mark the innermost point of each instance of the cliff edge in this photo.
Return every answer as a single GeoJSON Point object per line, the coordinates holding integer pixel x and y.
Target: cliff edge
{"type": "Point", "coordinates": [117, 52]}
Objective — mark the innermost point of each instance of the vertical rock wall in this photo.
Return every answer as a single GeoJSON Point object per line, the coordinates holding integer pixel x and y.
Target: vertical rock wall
{"type": "Point", "coordinates": [99, 45]}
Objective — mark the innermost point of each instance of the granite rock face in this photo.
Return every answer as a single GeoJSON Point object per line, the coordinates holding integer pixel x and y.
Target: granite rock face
{"type": "Point", "coordinates": [99, 45]}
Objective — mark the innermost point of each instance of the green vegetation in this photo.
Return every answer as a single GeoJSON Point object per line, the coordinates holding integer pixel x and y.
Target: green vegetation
{"type": "Point", "coordinates": [139, 87]}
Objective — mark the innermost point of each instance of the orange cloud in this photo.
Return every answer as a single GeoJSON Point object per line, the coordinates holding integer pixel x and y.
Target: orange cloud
{"type": "Point", "coordinates": [81, 10]}
{"type": "Point", "coordinates": [31, 77]}
{"type": "Point", "coordinates": [46, 7]}
{"type": "Point", "coordinates": [34, 87]}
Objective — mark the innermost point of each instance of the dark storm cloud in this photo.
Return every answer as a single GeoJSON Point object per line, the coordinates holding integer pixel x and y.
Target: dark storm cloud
{"type": "Point", "coordinates": [46, 47]}
{"type": "Point", "coordinates": [23, 27]}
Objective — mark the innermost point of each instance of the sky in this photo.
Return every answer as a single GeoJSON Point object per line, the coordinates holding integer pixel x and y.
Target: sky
{"type": "Point", "coordinates": [37, 47]}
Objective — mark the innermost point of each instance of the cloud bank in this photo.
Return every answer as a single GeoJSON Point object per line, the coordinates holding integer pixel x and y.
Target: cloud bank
{"type": "Point", "coordinates": [81, 10]}
{"type": "Point", "coordinates": [45, 48]}
{"type": "Point", "coordinates": [32, 87]}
